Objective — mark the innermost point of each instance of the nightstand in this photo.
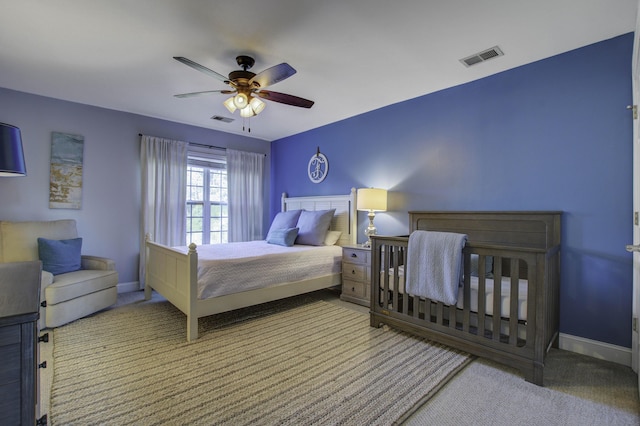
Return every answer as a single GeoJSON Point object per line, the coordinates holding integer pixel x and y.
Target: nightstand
{"type": "Point", "coordinates": [356, 274]}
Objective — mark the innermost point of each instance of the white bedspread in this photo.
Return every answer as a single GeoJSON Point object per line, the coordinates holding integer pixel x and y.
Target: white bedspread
{"type": "Point", "coordinates": [236, 267]}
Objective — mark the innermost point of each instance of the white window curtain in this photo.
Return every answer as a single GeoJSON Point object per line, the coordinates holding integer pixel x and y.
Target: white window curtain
{"type": "Point", "coordinates": [164, 193]}
{"type": "Point", "coordinates": [245, 172]}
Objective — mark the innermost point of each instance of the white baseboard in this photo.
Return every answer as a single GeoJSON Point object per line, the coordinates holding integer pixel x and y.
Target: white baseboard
{"type": "Point", "coordinates": [596, 349]}
{"type": "Point", "coordinates": [127, 287]}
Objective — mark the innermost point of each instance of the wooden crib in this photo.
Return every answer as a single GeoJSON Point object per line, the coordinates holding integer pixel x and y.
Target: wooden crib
{"type": "Point", "coordinates": [525, 251]}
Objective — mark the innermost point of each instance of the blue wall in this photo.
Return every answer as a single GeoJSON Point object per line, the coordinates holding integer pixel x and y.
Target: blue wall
{"type": "Point", "coordinates": [551, 135]}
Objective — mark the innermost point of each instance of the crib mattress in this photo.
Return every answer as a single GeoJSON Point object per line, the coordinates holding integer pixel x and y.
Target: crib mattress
{"type": "Point", "coordinates": [236, 267]}
{"type": "Point", "coordinates": [505, 294]}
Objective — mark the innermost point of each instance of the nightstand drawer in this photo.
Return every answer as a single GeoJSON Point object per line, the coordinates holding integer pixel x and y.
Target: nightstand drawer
{"type": "Point", "coordinates": [354, 288]}
{"type": "Point", "coordinates": [355, 272]}
{"type": "Point", "coordinates": [355, 255]}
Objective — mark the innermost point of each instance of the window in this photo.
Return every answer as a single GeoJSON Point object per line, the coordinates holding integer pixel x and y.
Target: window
{"type": "Point", "coordinates": [207, 210]}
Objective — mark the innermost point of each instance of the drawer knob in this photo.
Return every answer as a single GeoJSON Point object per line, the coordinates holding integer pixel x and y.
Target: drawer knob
{"type": "Point", "coordinates": [354, 255]}
{"type": "Point", "coordinates": [353, 289]}
{"type": "Point", "coordinates": [353, 272]}
{"type": "Point", "coordinates": [43, 364]}
{"type": "Point", "coordinates": [44, 338]}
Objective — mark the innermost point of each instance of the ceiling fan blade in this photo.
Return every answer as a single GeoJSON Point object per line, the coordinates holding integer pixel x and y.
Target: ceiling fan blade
{"type": "Point", "coordinates": [273, 75]}
{"type": "Point", "coordinates": [189, 95]}
{"type": "Point", "coordinates": [201, 68]}
{"type": "Point", "coordinates": [283, 98]}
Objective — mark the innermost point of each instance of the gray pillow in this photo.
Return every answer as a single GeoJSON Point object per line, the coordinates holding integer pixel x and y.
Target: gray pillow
{"type": "Point", "coordinates": [284, 220]}
{"type": "Point", "coordinates": [313, 226]}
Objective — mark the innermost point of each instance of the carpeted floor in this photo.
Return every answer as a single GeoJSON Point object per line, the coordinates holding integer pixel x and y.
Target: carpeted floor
{"type": "Point", "coordinates": [579, 390]}
{"type": "Point", "coordinates": [298, 361]}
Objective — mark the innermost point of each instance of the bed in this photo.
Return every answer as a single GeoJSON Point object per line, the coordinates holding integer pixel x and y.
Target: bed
{"type": "Point", "coordinates": [198, 290]}
{"type": "Point", "coordinates": [514, 323]}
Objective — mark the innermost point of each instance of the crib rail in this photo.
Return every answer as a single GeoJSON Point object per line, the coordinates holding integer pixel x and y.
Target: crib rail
{"type": "Point", "coordinates": [517, 333]}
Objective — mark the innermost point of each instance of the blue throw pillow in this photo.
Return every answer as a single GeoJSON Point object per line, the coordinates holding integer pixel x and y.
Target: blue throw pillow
{"type": "Point", "coordinates": [284, 220]}
{"type": "Point", "coordinates": [283, 237]}
{"type": "Point", "coordinates": [60, 256]}
{"type": "Point", "coordinates": [313, 226]}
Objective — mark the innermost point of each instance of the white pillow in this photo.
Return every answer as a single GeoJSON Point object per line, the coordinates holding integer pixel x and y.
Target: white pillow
{"type": "Point", "coordinates": [332, 238]}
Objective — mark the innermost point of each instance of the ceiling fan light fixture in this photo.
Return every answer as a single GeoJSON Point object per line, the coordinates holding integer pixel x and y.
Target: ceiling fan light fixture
{"type": "Point", "coordinates": [247, 112]}
{"type": "Point", "coordinates": [241, 100]}
{"type": "Point", "coordinates": [256, 105]}
{"type": "Point", "coordinates": [231, 106]}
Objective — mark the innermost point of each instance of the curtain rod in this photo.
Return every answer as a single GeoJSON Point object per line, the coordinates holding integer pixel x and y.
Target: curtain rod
{"type": "Point", "coordinates": [200, 144]}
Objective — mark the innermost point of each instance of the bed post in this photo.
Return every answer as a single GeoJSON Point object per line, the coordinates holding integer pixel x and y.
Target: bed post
{"type": "Point", "coordinates": [192, 278]}
{"type": "Point", "coordinates": [147, 287]}
{"type": "Point", "coordinates": [283, 205]}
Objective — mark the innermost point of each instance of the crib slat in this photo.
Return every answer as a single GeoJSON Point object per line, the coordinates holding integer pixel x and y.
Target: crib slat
{"type": "Point", "coordinates": [497, 300]}
{"type": "Point", "coordinates": [513, 306]}
{"type": "Point", "coordinates": [466, 305]}
{"type": "Point", "coordinates": [452, 316]}
{"type": "Point", "coordinates": [439, 313]}
{"type": "Point", "coordinates": [385, 290]}
{"type": "Point", "coordinates": [482, 308]}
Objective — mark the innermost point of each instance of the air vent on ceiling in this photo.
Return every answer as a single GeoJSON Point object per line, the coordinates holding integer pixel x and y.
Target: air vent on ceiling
{"type": "Point", "coordinates": [221, 118]}
{"type": "Point", "coordinates": [485, 55]}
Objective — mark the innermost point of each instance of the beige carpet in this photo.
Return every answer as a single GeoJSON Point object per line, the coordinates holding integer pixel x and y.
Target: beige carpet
{"type": "Point", "coordinates": [295, 362]}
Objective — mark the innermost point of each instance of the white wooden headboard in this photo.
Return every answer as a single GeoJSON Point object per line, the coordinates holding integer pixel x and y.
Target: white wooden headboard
{"type": "Point", "coordinates": [345, 218]}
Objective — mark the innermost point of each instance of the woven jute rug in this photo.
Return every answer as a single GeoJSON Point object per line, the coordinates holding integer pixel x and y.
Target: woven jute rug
{"type": "Point", "coordinates": [292, 362]}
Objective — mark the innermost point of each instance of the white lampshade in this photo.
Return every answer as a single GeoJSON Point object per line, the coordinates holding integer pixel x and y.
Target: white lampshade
{"type": "Point", "coordinates": [241, 100]}
{"type": "Point", "coordinates": [230, 105]}
{"type": "Point", "coordinates": [372, 199]}
{"type": "Point", "coordinates": [256, 105]}
{"type": "Point", "coordinates": [247, 112]}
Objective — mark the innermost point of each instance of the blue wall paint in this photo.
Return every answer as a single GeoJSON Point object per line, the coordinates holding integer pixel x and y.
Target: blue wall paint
{"type": "Point", "coordinates": [551, 135]}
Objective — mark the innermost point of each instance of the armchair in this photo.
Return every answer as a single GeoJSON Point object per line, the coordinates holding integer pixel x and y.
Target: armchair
{"type": "Point", "coordinates": [66, 296]}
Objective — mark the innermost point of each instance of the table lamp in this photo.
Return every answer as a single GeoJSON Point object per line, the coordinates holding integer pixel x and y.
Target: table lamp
{"type": "Point", "coordinates": [371, 200]}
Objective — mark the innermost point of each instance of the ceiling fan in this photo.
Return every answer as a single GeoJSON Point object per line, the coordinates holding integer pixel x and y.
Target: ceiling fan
{"type": "Point", "coordinates": [247, 87]}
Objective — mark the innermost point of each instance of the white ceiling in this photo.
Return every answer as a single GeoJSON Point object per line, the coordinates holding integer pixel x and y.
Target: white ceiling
{"type": "Point", "coordinates": [352, 56]}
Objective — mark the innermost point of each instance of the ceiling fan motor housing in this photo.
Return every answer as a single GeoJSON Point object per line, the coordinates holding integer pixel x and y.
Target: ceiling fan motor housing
{"type": "Point", "coordinates": [245, 62]}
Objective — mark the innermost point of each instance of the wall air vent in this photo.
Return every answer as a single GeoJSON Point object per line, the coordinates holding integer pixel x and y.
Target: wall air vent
{"type": "Point", "coordinates": [221, 118]}
{"type": "Point", "coordinates": [485, 55]}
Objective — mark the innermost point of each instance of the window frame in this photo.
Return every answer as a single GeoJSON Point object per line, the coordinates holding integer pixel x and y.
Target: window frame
{"type": "Point", "coordinates": [210, 160]}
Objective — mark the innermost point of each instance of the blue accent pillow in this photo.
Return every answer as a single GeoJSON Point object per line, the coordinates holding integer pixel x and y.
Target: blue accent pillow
{"type": "Point", "coordinates": [60, 256]}
{"type": "Point", "coordinates": [283, 237]}
{"type": "Point", "coordinates": [284, 220]}
{"type": "Point", "coordinates": [313, 226]}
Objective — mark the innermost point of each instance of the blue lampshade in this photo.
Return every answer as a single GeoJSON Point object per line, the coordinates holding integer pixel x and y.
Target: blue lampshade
{"type": "Point", "coordinates": [11, 154]}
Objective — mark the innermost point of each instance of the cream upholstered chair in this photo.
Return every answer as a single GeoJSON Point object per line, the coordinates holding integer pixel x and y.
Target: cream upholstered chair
{"type": "Point", "coordinates": [65, 296]}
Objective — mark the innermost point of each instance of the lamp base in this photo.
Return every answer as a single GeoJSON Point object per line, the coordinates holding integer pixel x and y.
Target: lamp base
{"type": "Point", "coordinates": [371, 230]}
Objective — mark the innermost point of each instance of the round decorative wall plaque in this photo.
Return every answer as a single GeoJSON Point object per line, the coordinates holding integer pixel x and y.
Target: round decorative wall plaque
{"type": "Point", "coordinates": [318, 167]}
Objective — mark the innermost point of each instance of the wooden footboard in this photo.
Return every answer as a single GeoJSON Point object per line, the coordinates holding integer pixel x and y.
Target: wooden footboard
{"type": "Point", "coordinates": [505, 329]}
{"type": "Point", "coordinates": [173, 274]}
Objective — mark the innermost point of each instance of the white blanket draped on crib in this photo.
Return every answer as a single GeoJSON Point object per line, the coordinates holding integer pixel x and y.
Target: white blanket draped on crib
{"type": "Point", "coordinates": [434, 265]}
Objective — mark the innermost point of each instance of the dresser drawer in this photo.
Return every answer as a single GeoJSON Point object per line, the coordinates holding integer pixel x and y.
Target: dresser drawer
{"type": "Point", "coordinates": [354, 289]}
{"type": "Point", "coordinates": [355, 272]}
{"type": "Point", "coordinates": [355, 255]}
{"type": "Point", "coordinates": [10, 334]}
